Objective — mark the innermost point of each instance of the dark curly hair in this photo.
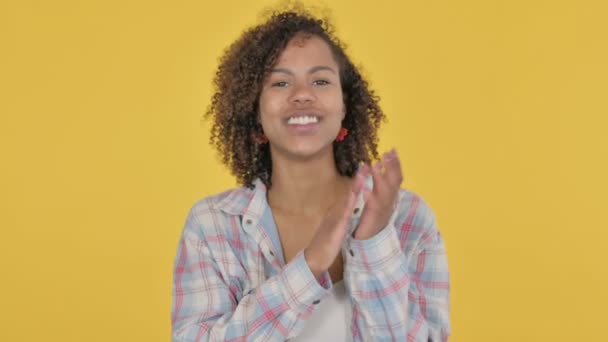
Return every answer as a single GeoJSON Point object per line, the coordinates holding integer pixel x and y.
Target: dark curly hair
{"type": "Point", "coordinates": [238, 84]}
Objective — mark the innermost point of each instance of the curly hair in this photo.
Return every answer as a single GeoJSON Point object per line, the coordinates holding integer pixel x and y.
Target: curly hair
{"type": "Point", "coordinates": [238, 84]}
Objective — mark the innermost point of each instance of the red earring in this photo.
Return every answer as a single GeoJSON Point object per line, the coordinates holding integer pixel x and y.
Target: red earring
{"type": "Point", "coordinates": [342, 134]}
{"type": "Point", "coordinates": [260, 138]}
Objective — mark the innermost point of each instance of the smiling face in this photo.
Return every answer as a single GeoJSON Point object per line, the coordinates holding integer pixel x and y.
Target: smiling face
{"type": "Point", "coordinates": [301, 104]}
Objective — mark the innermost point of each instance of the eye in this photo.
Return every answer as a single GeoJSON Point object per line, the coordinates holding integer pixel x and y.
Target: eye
{"type": "Point", "coordinates": [280, 84]}
{"type": "Point", "coordinates": [321, 82]}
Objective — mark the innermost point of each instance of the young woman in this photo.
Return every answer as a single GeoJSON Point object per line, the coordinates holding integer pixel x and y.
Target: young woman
{"type": "Point", "coordinates": [318, 244]}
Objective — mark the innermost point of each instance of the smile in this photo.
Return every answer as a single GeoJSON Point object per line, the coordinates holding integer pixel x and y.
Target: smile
{"type": "Point", "coordinates": [303, 120]}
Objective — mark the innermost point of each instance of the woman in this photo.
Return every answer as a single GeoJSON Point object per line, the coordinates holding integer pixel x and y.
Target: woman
{"type": "Point", "coordinates": [317, 244]}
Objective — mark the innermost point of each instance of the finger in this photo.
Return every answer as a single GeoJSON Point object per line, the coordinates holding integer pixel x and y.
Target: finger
{"type": "Point", "coordinates": [355, 188]}
{"type": "Point", "coordinates": [393, 172]}
{"type": "Point", "coordinates": [380, 185]}
{"type": "Point", "coordinates": [351, 201]}
{"type": "Point", "coordinates": [364, 170]}
{"type": "Point", "coordinates": [367, 194]}
{"type": "Point", "coordinates": [359, 179]}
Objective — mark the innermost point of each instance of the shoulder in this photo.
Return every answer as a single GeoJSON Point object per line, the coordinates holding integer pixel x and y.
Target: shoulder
{"type": "Point", "coordinates": [412, 205]}
{"type": "Point", "coordinates": [213, 212]}
{"type": "Point", "coordinates": [415, 220]}
{"type": "Point", "coordinates": [412, 211]}
{"type": "Point", "coordinates": [231, 201]}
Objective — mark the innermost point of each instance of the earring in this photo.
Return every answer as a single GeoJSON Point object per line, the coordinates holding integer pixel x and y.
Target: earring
{"type": "Point", "coordinates": [342, 134]}
{"type": "Point", "coordinates": [260, 138]}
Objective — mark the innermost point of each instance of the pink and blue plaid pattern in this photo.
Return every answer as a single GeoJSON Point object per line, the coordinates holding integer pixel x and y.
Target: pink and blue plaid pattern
{"type": "Point", "coordinates": [230, 285]}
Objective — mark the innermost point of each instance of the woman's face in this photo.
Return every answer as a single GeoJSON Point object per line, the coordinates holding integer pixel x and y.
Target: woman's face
{"type": "Point", "coordinates": [301, 104]}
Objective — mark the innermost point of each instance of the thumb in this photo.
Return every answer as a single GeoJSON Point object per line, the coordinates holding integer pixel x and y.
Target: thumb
{"type": "Point", "coordinates": [355, 189]}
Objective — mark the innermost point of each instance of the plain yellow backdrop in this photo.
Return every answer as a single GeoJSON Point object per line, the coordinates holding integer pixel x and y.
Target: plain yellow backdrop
{"type": "Point", "coordinates": [497, 108]}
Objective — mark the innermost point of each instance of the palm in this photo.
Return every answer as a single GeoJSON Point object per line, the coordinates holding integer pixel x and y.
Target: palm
{"type": "Point", "coordinates": [380, 201]}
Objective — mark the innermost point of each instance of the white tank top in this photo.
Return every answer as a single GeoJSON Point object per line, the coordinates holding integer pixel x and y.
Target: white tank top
{"type": "Point", "coordinates": [330, 321]}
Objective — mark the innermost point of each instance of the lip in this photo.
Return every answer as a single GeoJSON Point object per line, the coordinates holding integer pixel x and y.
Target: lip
{"type": "Point", "coordinates": [304, 113]}
{"type": "Point", "coordinates": [307, 129]}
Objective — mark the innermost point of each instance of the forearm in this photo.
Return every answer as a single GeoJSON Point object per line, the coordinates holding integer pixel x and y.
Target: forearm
{"type": "Point", "coordinates": [402, 272]}
{"type": "Point", "coordinates": [207, 309]}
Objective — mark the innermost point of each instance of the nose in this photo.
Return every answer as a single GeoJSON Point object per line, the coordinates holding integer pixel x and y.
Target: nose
{"type": "Point", "coordinates": [303, 93]}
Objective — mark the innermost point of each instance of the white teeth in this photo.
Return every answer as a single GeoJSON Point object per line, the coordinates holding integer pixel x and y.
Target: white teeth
{"type": "Point", "coordinates": [302, 120]}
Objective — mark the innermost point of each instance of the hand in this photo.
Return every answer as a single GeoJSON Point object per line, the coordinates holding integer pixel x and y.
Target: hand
{"type": "Point", "coordinates": [325, 245]}
{"type": "Point", "coordinates": [381, 201]}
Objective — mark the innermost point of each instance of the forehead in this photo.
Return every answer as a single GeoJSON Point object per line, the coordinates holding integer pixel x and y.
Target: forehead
{"type": "Point", "coordinates": [305, 49]}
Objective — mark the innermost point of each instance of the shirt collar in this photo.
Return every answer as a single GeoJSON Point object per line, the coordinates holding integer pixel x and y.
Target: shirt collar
{"type": "Point", "coordinates": [244, 200]}
{"type": "Point", "coordinates": [252, 202]}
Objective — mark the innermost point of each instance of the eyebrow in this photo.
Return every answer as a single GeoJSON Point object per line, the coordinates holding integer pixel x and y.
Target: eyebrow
{"type": "Point", "coordinates": [311, 71]}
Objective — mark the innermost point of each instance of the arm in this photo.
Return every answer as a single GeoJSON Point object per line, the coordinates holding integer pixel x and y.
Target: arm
{"type": "Point", "coordinates": [399, 280]}
{"type": "Point", "coordinates": [205, 307]}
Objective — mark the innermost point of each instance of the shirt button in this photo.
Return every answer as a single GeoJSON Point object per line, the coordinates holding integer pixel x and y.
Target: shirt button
{"type": "Point", "coordinates": [351, 252]}
{"type": "Point", "coordinates": [316, 302]}
{"type": "Point", "coordinates": [271, 253]}
{"type": "Point", "coordinates": [248, 221]}
{"type": "Point", "coordinates": [356, 210]}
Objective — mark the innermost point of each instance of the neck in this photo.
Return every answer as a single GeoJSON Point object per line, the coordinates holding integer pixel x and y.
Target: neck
{"type": "Point", "coordinates": [305, 187]}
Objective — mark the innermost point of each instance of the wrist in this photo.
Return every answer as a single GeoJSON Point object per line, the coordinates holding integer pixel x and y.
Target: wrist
{"type": "Point", "coordinates": [314, 266]}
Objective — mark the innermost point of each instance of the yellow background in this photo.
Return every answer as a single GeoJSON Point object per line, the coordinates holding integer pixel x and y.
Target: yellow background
{"type": "Point", "coordinates": [497, 108]}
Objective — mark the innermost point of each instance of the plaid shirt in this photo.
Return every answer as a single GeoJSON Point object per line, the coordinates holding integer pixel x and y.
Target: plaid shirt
{"type": "Point", "coordinates": [230, 285]}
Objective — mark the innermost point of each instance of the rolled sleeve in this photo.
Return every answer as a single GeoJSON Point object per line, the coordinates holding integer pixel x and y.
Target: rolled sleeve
{"type": "Point", "coordinates": [376, 253]}
{"type": "Point", "coordinates": [301, 289]}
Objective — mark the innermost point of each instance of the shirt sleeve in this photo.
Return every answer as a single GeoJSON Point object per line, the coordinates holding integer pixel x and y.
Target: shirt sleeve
{"type": "Point", "coordinates": [204, 304]}
{"type": "Point", "coordinates": [398, 279]}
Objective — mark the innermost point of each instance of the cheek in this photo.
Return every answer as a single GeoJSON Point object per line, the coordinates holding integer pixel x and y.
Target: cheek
{"type": "Point", "coordinates": [338, 102]}
{"type": "Point", "coordinates": [269, 104]}
{"type": "Point", "coordinates": [339, 106]}
{"type": "Point", "coordinates": [265, 121]}
{"type": "Point", "coordinates": [269, 109]}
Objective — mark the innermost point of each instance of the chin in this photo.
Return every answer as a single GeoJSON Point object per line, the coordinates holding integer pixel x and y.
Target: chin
{"type": "Point", "coordinates": [306, 150]}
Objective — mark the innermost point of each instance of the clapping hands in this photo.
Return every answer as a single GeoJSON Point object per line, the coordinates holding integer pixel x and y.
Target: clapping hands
{"type": "Point", "coordinates": [381, 200]}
